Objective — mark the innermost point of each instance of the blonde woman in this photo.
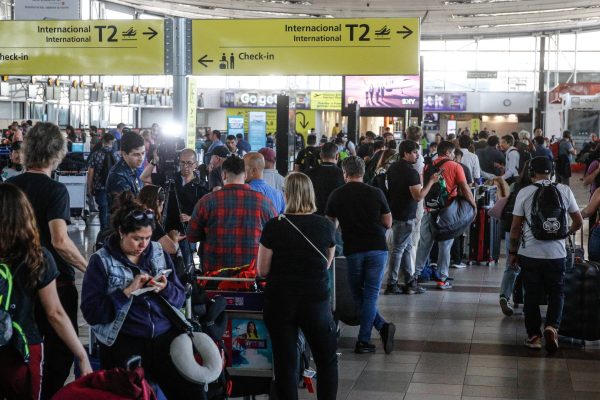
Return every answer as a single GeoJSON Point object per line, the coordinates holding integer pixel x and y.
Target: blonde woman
{"type": "Point", "coordinates": [295, 251]}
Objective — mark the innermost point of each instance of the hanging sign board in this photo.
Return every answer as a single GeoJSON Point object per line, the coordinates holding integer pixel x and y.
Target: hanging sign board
{"type": "Point", "coordinates": [99, 47]}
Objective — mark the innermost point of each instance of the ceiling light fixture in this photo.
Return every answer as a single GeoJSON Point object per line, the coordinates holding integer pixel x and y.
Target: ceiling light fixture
{"type": "Point", "coordinates": [469, 2]}
{"type": "Point", "coordinates": [288, 2]}
{"type": "Point", "coordinates": [560, 21]}
{"type": "Point", "coordinates": [509, 13]}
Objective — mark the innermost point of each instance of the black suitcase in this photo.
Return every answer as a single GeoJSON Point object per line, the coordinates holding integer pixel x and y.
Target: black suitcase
{"type": "Point", "coordinates": [581, 319]}
{"type": "Point", "coordinates": [485, 236]}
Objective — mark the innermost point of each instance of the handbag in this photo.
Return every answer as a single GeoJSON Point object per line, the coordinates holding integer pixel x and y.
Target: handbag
{"type": "Point", "coordinates": [498, 208]}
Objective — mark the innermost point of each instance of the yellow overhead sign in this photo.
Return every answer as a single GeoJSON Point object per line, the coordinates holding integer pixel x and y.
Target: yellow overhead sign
{"type": "Point", "coordinates": [326, 100]}
{"type": "Point", "coordinates": [369, 46]}
{"type": "Point", "coordinates": [99, 47]}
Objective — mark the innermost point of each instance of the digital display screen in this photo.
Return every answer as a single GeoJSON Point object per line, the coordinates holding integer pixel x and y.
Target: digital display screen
{"type": "Point", "coordinates": [381, 92]}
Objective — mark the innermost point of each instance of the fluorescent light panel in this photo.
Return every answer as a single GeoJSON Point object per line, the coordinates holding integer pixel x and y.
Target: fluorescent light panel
{"type": "Point", "coordinates": [529, 12]}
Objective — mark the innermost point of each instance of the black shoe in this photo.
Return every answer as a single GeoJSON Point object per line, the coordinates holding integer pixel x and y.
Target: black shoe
{"type": "Point", "coordinates": [413, 287]}
{"type": "Point", "coordinates": [392, 289]}
{"type": "Point", "coordinates": [364, 347]}
{"type": "Point", "coordinates": [387, 337]}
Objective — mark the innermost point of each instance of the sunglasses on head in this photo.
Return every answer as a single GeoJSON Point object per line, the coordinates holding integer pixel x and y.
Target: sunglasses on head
{"type": "Point", "coordinates": [141, 215]}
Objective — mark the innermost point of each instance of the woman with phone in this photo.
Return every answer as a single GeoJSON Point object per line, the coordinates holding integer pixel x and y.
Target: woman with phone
{"type": "Point", "coordinates": [126, 319]}
{"type": "Point", "coordinates": [295, 251]}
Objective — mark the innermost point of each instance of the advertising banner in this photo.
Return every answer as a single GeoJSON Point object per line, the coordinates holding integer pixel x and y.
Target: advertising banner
{"type": "Point", "coordinates": [383, 91]}
{"type": "Point", "coordinates": [257, 129]}
{"type": "Point", "coordinates": [449, 102]}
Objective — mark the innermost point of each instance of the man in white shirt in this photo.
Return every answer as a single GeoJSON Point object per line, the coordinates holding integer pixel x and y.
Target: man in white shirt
{"type": "Point", "coordinates": [541, 257]}
{"type": "Point", "coordinates": [270, 174]}
{"type": "Point", "coordinates": [469, 159]}
{"type": "Point", "coordinates": [511, 171]}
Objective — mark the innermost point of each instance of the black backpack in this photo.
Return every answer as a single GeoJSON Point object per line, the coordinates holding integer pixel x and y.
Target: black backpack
{"type": "Point", "coordinates": [311, 159]}
{"type": "Point", "coordinates": [107, 163]}
{"type": "Point", "coordinates": [548, 213]}
{"type": "Point", "coordinates": [437, 197]}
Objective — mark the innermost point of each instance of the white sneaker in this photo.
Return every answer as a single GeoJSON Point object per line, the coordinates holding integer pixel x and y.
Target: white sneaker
{"type": "Point", "coordinates": [459, 266]}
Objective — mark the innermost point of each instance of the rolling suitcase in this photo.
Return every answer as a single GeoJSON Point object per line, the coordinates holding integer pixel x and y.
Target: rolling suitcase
{"type": "Point", "coordinates": [485, 236]}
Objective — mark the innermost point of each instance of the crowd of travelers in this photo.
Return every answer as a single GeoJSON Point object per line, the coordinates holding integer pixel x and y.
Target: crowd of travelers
{"type": "Point", "coordinates": [377, 202]}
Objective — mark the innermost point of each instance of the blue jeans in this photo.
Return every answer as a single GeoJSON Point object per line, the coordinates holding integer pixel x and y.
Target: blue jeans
{"type": "Point", "coordinates": [540, 274]}
{"type": "Point", "coordinates": [365, 274]}
{"type": "Point", "coordinates": [594, 244]}
{"type": "Point", "coordinates": [102, 202]}
{"type": "Point", "coordinates": [426, 243]}
{"type": "Point", "coordinates": [510, 275]}
{"type": "Point", "coordinates": [400, 256]}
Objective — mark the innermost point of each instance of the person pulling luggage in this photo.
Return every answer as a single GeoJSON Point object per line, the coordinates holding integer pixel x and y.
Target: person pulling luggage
{"type": "Point", "coordinates": [537, 245]}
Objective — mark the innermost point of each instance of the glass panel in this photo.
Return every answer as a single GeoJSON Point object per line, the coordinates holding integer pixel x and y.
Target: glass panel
{"type": "Point", "coordinates": [433, 45]}
{"type": "Point", "coordinates": [566, 60]}
{"type": "Point", "coordinates": [522, 60]}
{"type": "Point", "coordinates": [494, 44]}
{"type": "Point", "coordinates": [588, 76]}
{"type": "Point", "coordinates": [588, 60]}
{"type": "Point", "coordinates": [434, 60]}
{"type": "Point", "coordinates": [460, 61]}
{"type": "Point", "coordinates": [588, 41]}
{"type": "Point", "coordinates": [434, 80]}
{"type": "Point", "coordinates": [493, 61]}
{"type": "Point", "coordinates": [461, 45]}
{"type": "Point", "coordinates": [522, 43]}
{"type": "Point", "coordinates": [566, 41]}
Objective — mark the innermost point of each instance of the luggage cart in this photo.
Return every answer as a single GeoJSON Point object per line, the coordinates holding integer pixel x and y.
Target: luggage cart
{"type": "Point", "coordinates": [76, 183]}
{"type": "Point", "coordinates": [250, 360]}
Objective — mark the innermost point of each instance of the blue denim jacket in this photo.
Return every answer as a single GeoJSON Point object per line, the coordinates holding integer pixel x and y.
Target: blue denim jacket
{"type": "Point", "coordinates": [120, 179]}
{"type": "Point", "coordinates": [119, 276]}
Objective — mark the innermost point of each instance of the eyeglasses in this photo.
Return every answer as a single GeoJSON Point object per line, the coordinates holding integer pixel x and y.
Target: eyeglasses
{"type": "Point", "coordinates": [141, 215]}
{"type": "Point", "coordinates": [187, 163]}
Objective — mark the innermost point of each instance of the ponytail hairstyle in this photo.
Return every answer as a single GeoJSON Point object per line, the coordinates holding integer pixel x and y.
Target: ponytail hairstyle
{"type": "Point", "coordinates": [125, 215]}
{"type": "Point", "coordinates": [19, 237]}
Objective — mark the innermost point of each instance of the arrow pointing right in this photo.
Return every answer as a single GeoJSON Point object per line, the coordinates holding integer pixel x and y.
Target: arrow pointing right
{"type": "Point", "coordinates": [151, 33]}
{"type": "Point", "coordinates": [202, 60]}
{"type": "Point", "coordinates": [406, 32]}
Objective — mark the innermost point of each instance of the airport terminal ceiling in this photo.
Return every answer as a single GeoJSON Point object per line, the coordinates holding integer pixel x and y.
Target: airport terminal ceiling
{"type": "Point", "coordinates": [441, 19]}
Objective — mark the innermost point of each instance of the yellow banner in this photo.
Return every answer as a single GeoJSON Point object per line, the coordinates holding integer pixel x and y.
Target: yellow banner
{"type": "Point", "coordinates": [368, 46]}
{"type": "Point", "coordinates": [326, 100]}
{"type": "Point", "coordinates": [192, 109]}
{"type": "Point", "coordinates": [305, 121]}
{"type": "Point", "coordinates": [99, 47]}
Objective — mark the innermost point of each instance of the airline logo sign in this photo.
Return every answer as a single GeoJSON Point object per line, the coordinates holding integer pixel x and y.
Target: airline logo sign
{"type": "Point", "coordinates": [100, 47]}
{"type": "Point", "coordinates": [370, 46]}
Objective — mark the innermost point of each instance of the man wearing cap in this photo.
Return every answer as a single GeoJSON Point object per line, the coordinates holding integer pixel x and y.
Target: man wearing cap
{"type": "Point", "coordinates": [542, 261]}
{"type": "Point", "coordinates": [270, 174]}
{"type": "Point", "coordinates": [215, 178]}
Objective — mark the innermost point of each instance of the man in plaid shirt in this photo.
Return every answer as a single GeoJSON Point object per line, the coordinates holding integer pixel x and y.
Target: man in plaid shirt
{"type": "Point", "coordinates": [229, 222]}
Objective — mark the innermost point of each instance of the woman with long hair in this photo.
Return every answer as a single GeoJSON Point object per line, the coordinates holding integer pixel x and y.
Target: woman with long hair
{"type": "Point", "coordinates": [125, 321]}
{"type": "Point", "coordinates": [296, 249]}
{"type": "Point", "coordinates": [153, 198]}
{"type": "Point", "coordinates": [32, 271]}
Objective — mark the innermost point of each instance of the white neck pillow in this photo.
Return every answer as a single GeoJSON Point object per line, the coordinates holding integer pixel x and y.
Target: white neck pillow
{"type": "Point", "coordinates": [182, 354]}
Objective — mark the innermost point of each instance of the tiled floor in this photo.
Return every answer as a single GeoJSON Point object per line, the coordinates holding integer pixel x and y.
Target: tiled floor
{"type": "Point", "coordinates": [456, 344]}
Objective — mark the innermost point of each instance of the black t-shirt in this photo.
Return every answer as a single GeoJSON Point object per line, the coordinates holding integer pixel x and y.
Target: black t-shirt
{"type": "Point", "coordinates": [359, 207]}
{"type": "Point", "coordinates": [401, 176]}
{"type": "Point", "coordinates": [157, 233]}
{"type": "Point", "coordinates": [188, 194]}
{"type": "Point", "coordinates": [325, 179]}
{"type": "Point", "coordinates": [296, 267]}
{"type": "Point", "coordinates": [23, 298]}
{"type": "Point", "coordinates": [50, 200]}
{"type": "Point", "coordinates": [365, 150]}
{"type": "Point", "coordinates": [215, 178]}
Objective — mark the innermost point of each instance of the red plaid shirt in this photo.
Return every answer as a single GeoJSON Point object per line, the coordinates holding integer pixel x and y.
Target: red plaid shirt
{"type": "Point", "coordinates": [229, 223]}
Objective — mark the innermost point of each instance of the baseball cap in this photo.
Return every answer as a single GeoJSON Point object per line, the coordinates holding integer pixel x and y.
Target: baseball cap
{"type": "Point", "coordinates": [268, 154]}
{"type": "Point", "coordinates": [541, 165]}
{"type": "Point", "coordinates": [221, 151]}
